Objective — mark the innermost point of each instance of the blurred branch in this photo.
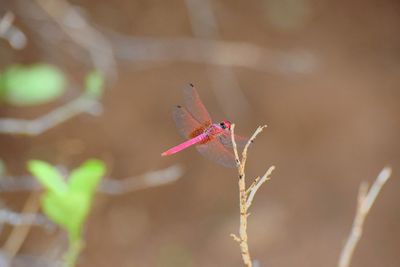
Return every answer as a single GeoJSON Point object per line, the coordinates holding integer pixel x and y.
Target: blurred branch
{"type": "Point", "coordinates": [146, 180]}
{"type": "Point", "coordinates": [79, 30]}
{"type": "Point", "coordinates": [19, 233]}
{"type": "Point", "coordinates": [107, 45]}
{"type": "Point", "coordinates": [107, 185]}
{"type": "Point", "coordinates": [15, 37]}
{"type": "Point", "coordinates": [220, 53]}
{"type": "Point", "coordinates": [204, 25]}
{"type": "Point", "coordinates": [25, 260]}
{"type": "Point", "coordinates": [202, 18]}
{"type": "Point", "coordinates": [82, 104]}
{"type": "Point", "coordinates": [15, 218]}
{"type": "Point", "coordinates": [246, 195]}
{"type": "Point", "coordinates": [365, 201]}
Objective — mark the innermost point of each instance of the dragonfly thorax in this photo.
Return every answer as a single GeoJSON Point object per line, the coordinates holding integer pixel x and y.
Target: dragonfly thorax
{"type": "Point", "coordinates": [214, 129]}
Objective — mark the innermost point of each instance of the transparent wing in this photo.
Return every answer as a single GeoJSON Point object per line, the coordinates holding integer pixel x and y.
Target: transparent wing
{"type": "Point", "coordinates": [185, 122]}
{"type": "Point", "coordinates": [195, 106]}
{"type": "Point", "coordinates": [216, 152]}
{"type": "Point", "coordinates": [226, 140]}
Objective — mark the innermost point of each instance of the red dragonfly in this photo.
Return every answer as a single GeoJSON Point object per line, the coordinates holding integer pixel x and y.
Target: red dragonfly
{"type": "Point", "coordinates": [212, 140]}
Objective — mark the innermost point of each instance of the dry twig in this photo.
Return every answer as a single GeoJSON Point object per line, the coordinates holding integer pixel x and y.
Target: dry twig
{"type": "Point", "coordinates": [365, 201]}
{"type": "Point", "coordinates": [246, 196]}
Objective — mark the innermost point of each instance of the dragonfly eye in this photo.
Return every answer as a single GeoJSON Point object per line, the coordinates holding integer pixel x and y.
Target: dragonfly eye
{"type": "Point", "coordinates": [222, 124]}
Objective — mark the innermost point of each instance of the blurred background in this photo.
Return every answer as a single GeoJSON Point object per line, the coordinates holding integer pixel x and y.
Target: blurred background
{"type": "Point", "coordinates": [323, 75]}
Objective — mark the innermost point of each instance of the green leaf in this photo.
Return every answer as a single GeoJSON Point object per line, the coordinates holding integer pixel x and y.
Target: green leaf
{"type": "Point", "coordinates": [31, 85]}
{"type": "Point", "coordinates": [71, 255]}
{"type": "Point", "coordinates": [68, 210]}
{"type": "Point", "coordinates": [85, 178]}
{"type": "Point", "coordinates": [94, 83]}
{"type": "Point", "coordinates": [47, 175]}
{"type": "Point", "coordinates": [52, 206]}
{"type": "Point", "coordinates": [68, 205]}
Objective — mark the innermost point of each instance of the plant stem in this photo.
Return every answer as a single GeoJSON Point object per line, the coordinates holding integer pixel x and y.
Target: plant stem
{"type": "Point", "coordinates": [246, 196]}
{"type": "Point", "coordinates": [74, 249]}
{"type": "Point", "coordinates": [365, 200]}
{"type": "Point", "coordinates": [244, 247]}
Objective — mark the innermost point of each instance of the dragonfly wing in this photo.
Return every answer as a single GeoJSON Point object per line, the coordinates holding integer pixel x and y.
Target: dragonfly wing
{"type": "Point", "coordinates": [195, 106]}
{"type": "Point", "coordinates": [226, 140]}
{"type": "Point", "coordinates": [216, 152]}
{"type": "Point", "coordinates": [184, 121]}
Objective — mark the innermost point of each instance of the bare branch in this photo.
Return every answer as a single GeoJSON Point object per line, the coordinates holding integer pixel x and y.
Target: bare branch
{"type": "Point", "coordinates": [252, 185]}
{"type": "Point", "coordinates": [82, 104]}
{"type": "Point", "coordinates": [236, 238]}
{"type": "Point", "coordinates": [365, 202]}
{"type": "Point", "coordinates": [369, 200]}
{"type": "Point", "coordinates": [251, 140]}
{"type": "Point", "coordinates": [257, 185]}
{"type": "Point", "coordinates": [245, 199]}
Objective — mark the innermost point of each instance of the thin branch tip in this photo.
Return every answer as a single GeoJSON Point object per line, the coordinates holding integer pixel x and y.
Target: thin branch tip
{"type": "Point", "coordinates": [256, 185]}
{"type": "Point", "coordinates": [385, 173]}
{"type": "Point", "coordinates": [236, 238]}
{"type": "Point", "coordinates": [366, 198]}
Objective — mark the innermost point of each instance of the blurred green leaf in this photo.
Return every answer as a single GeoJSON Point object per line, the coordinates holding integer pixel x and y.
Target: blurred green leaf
{"type": "Point", "coordinates": [52, 206]}
{"type": "Point", "coordinates": [68, 205]}
{"type": "Point", "coordinates": [85, 178]}
{"type": "Point", "coordinates": [94, 83]}
{"type": "Point", "coordinates": [31, 85]}
{"type": "Point", "coordinates": [69, 211]}
{"type": "Point", "coordinates": [47, 175]}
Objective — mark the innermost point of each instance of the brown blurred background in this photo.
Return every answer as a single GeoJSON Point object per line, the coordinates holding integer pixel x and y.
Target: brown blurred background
{"type": "Point", "coordinates": [323, 75]}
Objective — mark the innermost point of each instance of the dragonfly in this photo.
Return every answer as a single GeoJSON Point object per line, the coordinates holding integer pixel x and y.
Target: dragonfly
{"type": "Point", "coordinates": [212, 140]}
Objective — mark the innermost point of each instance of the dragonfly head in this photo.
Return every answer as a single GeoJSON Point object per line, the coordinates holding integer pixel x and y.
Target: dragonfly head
{"type": "Point", "coordinates": [225, 124]}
